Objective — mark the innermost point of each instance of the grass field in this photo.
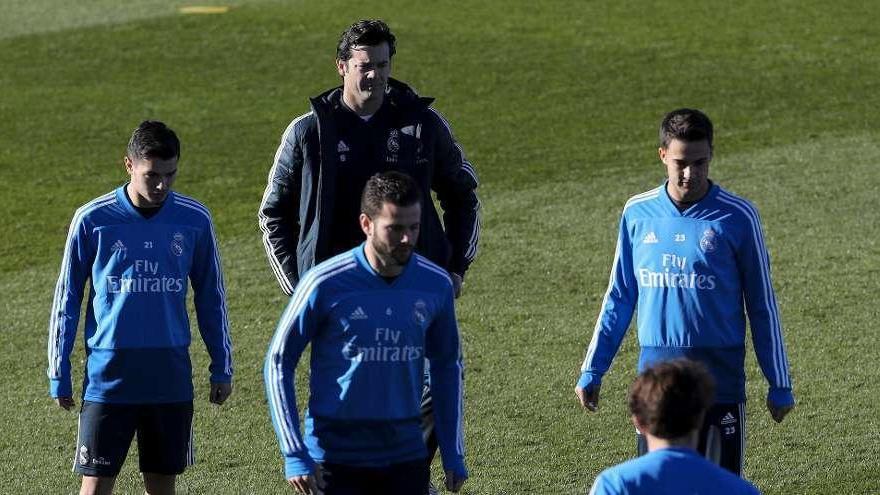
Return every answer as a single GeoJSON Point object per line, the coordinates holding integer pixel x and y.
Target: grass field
{"type": "Point", "coordinates": [556, 104]}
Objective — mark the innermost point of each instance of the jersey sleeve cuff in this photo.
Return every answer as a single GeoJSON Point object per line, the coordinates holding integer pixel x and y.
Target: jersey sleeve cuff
{"type": "Point", "coordinates": [458, 266]}
{"type": "Point", "coordinates": [60, 388]}
{"type": "Point", "coordinates": [780, 397]}
{"type": "Point", "coordinates": [298, 466]}
{"type": "Point", "coordinates": [456, 465]}
{"type": "Point", "coordinates": [221, 378]}
{"type": "Point", "coordinates": [589, 380]}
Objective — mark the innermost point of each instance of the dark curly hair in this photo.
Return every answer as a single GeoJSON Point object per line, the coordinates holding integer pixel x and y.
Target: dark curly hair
{"type": "Point", "coordinates": [365, 32]}
{"type": "Point", "coordinates": [153, 139]}
{"type": "Point", "coordinates": [671, 398]}
{"type": "Point", "coordinates": [389, 187]}
{"type": "Point", "coordinates": [685, 124]}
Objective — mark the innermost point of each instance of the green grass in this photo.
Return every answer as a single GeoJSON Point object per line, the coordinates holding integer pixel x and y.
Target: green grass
{"type": "Point", "coordinates": [556, 104]}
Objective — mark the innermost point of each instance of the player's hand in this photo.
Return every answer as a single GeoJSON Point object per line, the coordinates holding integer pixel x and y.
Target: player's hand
{"type": "Point", "coordinates": [453, 482]}
{"type": "Point", "coordinates": [588, 397]}
{"type": "Point", "coordinates": [220, 392]}
{"type": "Point", "coordinates": [778, 413]}
{"type": "Point", "coordinates": [457, 283]}
{"type": "Point", "coordinates": [303, 484]}
{"type": "Point", "coordinates": [66, 403]}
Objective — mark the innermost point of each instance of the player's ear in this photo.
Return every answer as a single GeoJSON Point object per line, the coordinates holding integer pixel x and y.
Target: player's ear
{"type": "Point", "coordinates": [128, 165]}
{"type": "Point", "coordinates": [366, 222]}
{"type": "Point", "coordinates": [661, 151]}
{"type": "Point", "coordinates": [635, 422]}
{"type": "Point", "coordinates": [340, 67]}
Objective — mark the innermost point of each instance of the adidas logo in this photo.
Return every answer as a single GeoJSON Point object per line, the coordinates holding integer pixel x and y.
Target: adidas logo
{"type": "Point", "coordinates": [117, 246]}
{"type": "Point", "coordinates": [358, 314]}
{"type": "Point", "coordinates": [728, 419]}
{"type": "Point", "coordinates": [341, 147]}
{"type": "Point", "coordinates": [651, 238]}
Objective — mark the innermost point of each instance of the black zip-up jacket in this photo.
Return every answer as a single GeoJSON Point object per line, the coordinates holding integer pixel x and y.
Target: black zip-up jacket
{"type": "Point", "coordinates": [297, 209]}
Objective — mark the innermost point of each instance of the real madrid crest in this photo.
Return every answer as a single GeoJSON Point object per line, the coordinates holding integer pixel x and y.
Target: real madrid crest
{"type": "Point", "coordinates": [393, 141]}
{"type": "Point", "coordinates": [393, 145]}
{"type": "Point", "coordinates": [420, 312]}
{"type": "Point", "coordinates": [177, 244]}
{"type": "Point", "coordinates": [709, 241]}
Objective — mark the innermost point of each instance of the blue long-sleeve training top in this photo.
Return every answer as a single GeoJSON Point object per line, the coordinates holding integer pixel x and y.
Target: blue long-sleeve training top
{"type": "Point", "coordinates": [690, 274]}
{"type": "Point", "coordinates": [670, 471]}
{"type": "Point", "coordinates": [369, 341]}
{"type": "Point", "coordinates": [137, 332]}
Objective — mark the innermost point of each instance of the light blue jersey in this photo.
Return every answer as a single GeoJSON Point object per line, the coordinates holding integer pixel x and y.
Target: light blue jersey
{"type": "Point", "coordinates": [369, 341]}
{"type": "Point", "coordinates": [690, 274]}
{"type": "Point", "coordinates": [670, 471]}
{"type": "Point", "coordinates": [136, 330]}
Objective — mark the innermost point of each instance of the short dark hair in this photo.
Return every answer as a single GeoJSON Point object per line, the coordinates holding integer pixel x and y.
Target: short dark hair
{"type": "Point", "coordinates": [153, 139]}
{"type": "Point", "coordinates": [389, 187]}
{"type": "Point", "coordinates": [685, 124]}
{"type": "Point", "coordinates": [670, 399]}
{"type": "Point", "coordinates": [365, 32]}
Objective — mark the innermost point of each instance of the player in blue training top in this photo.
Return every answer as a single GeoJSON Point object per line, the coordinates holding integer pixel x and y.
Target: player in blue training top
{"type": "Point", "coordinates": [690, 256]}
{"type": "Point", "coordinates": [372, 315]}
{"type": "Point", "coordinates": [137, 246]}
{"type": "Point", "coordinates": [668, 402]}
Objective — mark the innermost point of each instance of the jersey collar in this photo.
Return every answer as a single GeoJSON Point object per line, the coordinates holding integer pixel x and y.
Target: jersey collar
{"type": "Point", "coordinates": [670, 205]}
{"type": "Point", "coordinates": [123, 199]}
{"type": "Point", "coordinates": [361, 257]}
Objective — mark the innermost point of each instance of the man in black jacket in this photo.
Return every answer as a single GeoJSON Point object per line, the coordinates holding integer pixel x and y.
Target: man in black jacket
{"type": "Point", "coordinates": [370, 124]}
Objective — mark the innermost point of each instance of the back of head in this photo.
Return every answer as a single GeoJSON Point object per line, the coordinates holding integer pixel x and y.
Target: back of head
{"type": "Point", "coordinates": [685, 124]}
{"type": "Point", "coordinates": [153, 139]}
{"type": "Point", "coordinates": [389, 187]}
{"type": "Point", "coordinates": [670, 399]}
{"type": "Point", "coordinates": [366, 32]}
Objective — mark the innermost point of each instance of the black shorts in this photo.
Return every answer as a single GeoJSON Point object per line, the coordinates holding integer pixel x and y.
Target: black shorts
{"type": "Point", "coordinates": [406, 478]}
{"type": "Point", "coordinates": [722, 437]}
{"type": "Point", "coordinates": [164, 437]}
